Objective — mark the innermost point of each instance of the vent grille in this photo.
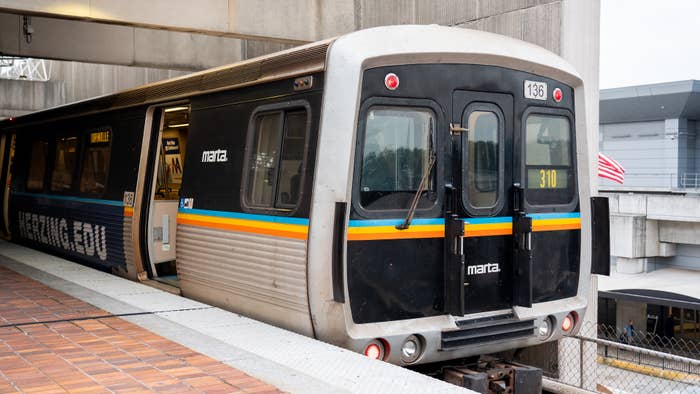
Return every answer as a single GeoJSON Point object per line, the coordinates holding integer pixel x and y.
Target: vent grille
{"type": "Point", "coordinates": [488, 330]}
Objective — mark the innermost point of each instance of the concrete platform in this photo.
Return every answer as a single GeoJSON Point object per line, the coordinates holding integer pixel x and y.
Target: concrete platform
{"type": "Point", "coordinates": [285, 360]}
{"type": "Point", "coordinates": [51, 342]}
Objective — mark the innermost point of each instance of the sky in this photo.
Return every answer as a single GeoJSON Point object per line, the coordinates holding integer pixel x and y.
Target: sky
{"type": "Point", "coordinates": [648, 41]}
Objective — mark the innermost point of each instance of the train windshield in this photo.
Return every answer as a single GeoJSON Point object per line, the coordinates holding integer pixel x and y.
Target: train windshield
{"type": "Point", "coordinates": [396, 154]}
{"type": "Point", "coordinates": [548, 160]}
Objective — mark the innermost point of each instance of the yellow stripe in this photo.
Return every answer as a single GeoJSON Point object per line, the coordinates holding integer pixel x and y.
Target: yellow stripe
{"type": "Point", "coordinates": [393, 229]}
{"type": "Point", "coordinates": [391, 232]}
{"type": "Point", "coordinates": [651, 371]}
{"type": "Point", "coordinates": [556, 224]}
{"type": "Point", "coordinates": [128, 211]}
{"type": "Point", "coordinates": [470, 230]}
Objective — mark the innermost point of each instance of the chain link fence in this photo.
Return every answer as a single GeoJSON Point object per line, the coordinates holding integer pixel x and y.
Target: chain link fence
{"type": "Point", "coordinates": [604, 359]}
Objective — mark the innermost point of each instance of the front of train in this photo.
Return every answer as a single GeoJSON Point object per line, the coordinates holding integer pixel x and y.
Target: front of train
{"type": "Point", "coordinates": [453, 172]}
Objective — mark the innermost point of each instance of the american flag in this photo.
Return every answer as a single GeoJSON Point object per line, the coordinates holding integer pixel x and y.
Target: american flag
{"type": "Point", "coordinates": [609, 168]}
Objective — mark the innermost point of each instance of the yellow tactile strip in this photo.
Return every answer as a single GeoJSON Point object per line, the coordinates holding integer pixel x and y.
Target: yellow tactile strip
{"type": "Point", "coordinates": [105, 355]}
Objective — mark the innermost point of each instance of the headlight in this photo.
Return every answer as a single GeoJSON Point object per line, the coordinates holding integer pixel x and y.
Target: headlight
{"type": "Point", "coordinates": [411, 349]}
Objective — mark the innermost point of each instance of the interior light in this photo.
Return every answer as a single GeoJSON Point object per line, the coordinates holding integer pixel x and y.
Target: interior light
{"type": "Point", "coordinates": [174, 109]}
{"type": "Point", "coordinates": [179, 125]}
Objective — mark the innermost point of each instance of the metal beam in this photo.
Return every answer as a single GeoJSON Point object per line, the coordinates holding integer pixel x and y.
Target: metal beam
{"type": "Point", "coordinates": [208, 17]}
{"type": "Point", "coordinates": [113, 44]}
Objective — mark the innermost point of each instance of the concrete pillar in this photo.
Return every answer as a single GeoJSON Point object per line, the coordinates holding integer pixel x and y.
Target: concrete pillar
{"type": "Point", "coordinates": [686, 151]}
{"type": "Point", "coordinates": [671, 149]}
{"type": "Point", "coordinates": [580, 45]}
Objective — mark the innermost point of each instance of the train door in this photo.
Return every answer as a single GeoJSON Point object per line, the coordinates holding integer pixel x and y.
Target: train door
{"type": "Point", "coordinates": [484, 170]}
{"type": "Point", "coordinates": [164, 198]}
{"type": "Point", "coordinates": [7, 152]}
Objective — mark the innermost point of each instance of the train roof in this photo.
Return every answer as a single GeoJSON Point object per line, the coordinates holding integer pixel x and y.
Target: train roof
{"type": "Point", "coordinates": [379, 42]}
{"type": "Point", "coordinates": [304, 59]}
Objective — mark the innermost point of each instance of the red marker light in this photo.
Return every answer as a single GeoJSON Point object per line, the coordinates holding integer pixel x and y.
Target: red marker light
{"type": "Point", "coordinates": [391, 81]}
{"type": "Point", "coordinates": [12, 119]}
{"type": "Point", "coordinates": [567, 324]}
{"type": "Point", "coordinates": [557, 94]}
{"type": "Point", "coordinates": [373, 351]}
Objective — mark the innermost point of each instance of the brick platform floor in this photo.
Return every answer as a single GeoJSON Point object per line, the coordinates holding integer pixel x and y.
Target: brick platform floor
{"type": "Point", "coordinates": [101, 355]}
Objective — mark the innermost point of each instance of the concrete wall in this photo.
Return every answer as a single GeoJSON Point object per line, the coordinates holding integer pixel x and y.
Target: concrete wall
{"type": "Point", "coordinates": [687, 257]}
{"type": "Point", "coordinates": [536, 21]}
{"type": "Point", "coordinates": [185, 35]}
{"type": "Point", "coordinates": [652, 231]}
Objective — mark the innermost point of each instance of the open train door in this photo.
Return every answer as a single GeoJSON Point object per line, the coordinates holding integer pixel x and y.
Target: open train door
{"type": "Point", "coordinates": [162, 193]}
{"type": "Point", "coordinates": [7, 152]}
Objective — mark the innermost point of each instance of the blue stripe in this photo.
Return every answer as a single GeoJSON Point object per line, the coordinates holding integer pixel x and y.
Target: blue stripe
{"type": "Point", "coordinates": [569, 215]}
{"type": "Point", "coordinates": [493, 220]}
{"type": "Point", "coordinates": [394, 222]}
{"type": "Point", "coordinates": [246, 216]}
{"type": "Point", "coordinates": [71, 198]}
{"type": "Point", "coordinates": [489, 220]}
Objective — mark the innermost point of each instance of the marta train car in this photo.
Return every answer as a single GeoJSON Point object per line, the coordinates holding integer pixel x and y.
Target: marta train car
{"type": "Point", "coordinates": [414, 193]}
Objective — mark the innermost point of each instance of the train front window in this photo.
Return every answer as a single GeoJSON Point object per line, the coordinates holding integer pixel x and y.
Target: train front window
{"type": "Point", "coordinates": [548, 160]}
{"type": "Point", "coordinates": [64, 164]}
{"type": "Point", "coordinates": [396, 153]}
{"type": "Point", "coordinates": [482, 158]}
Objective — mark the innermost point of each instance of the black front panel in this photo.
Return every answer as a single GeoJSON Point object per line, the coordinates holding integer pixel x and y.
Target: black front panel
{"type": "Point", "coordinates": [487, 291]}
{"type": "Point", "coordinates": [402, 280]}
{"type": "Point", "coordinates": [555, 264]}
{"type": "Point", "coordinates": [396, 275]}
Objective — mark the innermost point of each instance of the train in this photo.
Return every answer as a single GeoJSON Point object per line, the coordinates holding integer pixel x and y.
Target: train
{"type": "Point", "coordinates": [412, 193]}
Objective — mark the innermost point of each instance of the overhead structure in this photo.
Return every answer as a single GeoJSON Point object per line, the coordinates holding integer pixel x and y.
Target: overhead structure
{"type": "Point", "coordinates": [24, 69]}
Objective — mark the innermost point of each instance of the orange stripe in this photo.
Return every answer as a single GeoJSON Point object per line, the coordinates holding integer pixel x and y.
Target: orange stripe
{"type": "Point", "coordinates": [128, 212]}
{"type": "Point", "coordinates": [396, 235]}
{"type": "Point", "coordinates": [486, 233]}
{"type": "Point", "coordinates": [556, 227]}
{"type": "Point", "coordinates": [245, 229]}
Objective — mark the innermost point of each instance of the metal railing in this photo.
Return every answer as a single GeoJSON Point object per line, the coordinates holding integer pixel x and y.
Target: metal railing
{"type": "Point", "coordinates": [690, 180]}
{"type": "Point", "coordinates": [611, 362]}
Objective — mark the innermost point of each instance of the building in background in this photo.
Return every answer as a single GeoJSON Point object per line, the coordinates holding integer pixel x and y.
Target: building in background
{"type": "Point", "coordinates": [655, 215]}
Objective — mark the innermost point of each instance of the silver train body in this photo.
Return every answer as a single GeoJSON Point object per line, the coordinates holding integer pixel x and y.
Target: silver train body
{"type": "Point", "coordinates": [338, 269]}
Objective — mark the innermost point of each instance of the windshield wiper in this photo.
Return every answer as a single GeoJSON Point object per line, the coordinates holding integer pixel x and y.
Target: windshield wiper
{"type": "Point", "coordinates": [423, 183]}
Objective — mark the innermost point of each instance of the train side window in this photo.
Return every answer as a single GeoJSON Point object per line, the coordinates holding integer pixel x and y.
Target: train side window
{"type": "Point", "coordinates": [64, 164]}
{"type": "Point", "coordinates": [37, 165]}
{"type": "Point", "coordinates": [95, 166]}
{"type": "Point", "coordinates": [275, 167]}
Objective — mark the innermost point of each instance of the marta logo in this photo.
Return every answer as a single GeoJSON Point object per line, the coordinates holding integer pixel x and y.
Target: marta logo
{"type": "Point", "coordinates": [488, 268]}
{"type": "Point", "coordinates": [214, 156]}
